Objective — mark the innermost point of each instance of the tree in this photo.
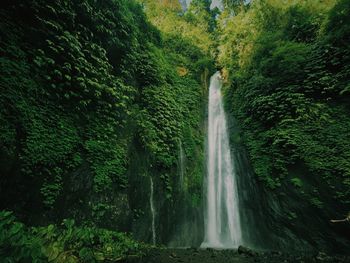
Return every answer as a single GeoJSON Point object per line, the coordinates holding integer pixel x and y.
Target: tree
{"type": "Point", "coordinates": [234, 5]}
{"type": "Point", "coordinates": [201, 15]}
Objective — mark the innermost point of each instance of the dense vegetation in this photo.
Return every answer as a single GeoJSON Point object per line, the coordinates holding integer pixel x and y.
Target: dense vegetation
{"type": "Point", "coordinates": [292, 69]}
{"type": "Point", "coordinates": [65, 243]}
{"type": "Point", "coordinates": [99, 97]}
{"type": "Point", "coordinates": [289, 68]}
{"type": "Point", "coordinates": [93, 105]}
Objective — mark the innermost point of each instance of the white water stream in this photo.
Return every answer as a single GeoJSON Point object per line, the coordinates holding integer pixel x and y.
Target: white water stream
{"type": "Point", "coordinates": [153, 214]}
{"type": "Point", "coordinates": [181, 165]}
{"type": "Point", "coordinates": [221, 217]}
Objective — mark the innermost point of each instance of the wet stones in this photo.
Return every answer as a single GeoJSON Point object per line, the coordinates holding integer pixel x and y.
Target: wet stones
{"type": "Point", "coordinates": [246, 251]}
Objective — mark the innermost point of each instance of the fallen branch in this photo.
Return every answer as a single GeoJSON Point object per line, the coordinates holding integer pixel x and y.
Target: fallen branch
{"type": "Point", "coordinates": [347, 219]}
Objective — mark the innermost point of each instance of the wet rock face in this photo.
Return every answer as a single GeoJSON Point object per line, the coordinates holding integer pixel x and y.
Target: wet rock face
{"type": "Point", "coordinates": [81, 202]}
{"type": "Point", "coordinates": [177, 222]}
{"type": "Point", "coordinates": [284, 219]}
{"type": "Point", "coordinates": [246, 251]}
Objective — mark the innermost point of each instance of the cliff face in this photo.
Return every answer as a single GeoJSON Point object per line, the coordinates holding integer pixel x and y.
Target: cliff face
{"type": "Point", "coordinates": [94, 104]}
{"type": "Point", "coordinates": [290, 98]}
{"type": "Point", "coordinates": [282, 219]}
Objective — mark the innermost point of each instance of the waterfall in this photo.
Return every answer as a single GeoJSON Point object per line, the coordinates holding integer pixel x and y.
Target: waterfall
{"type": "Point", "coordinates": [222, 222]}
{"type": "Point", "coordinates": [181, 165]}
{"type": "Point", "coordinates": [153, 213]}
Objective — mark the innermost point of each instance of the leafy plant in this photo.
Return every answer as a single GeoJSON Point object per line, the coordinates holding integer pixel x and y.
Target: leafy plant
{"type": "Point", "coordinates": [289, 69]}
{"type": "Point", "coordinates": [64, 243]}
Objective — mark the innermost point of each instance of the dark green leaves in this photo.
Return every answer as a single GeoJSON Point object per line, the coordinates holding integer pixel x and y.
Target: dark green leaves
{"type": "Point", "coordinates": [65, 243]}
{"type": "Point", "coordinates": [291, 94]}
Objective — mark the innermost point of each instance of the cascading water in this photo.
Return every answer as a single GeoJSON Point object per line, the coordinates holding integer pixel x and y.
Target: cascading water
{"type": "Point", "coordinates": [181, 165]}
{"type": "Point", "coordinates": [222, 222]}
{"type": "Point", "coordinates": [153, 214]}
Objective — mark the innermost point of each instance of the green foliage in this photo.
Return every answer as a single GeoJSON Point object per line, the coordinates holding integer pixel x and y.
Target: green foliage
{"type": "Point", "coordinates": [64, 243]}
{"type": "Point", "coordinates": [108, 160]}
{"type": "Point", "coordinates": [66, 91]}
{"type": "Point", "coordinates": [16, 242]}
{"type": "Point", "coordinates": [171, 98]}
{"type": "Point", "coordinates": [292, 216]}
{"type": "Point", "coordinates": [315, 201]}
{"type": "Point", "coordinates": [289, 90]}
{"type": "Point", "coordinates": [302, 24]}
{"type": "Point", "coordinates": [52, 190]}
{"type": "Point", "coordinates": [168, 187]}
{"type": "Point", "coordinates": [195, 186]}
{"type": "Point", "coordinates": [234, 5]}
{"type": "Point", "coordinates": [200, 14]}
{"type": "Point", "coordinates": [162, 115]}
{"type": "Point", "coordinates": [193, 26]}
{"type": "Point", "coordinates": [169, 117]}
{"type": "Point", "coordinates": [84, 82]}
{"type": "Point", "coordinates": [296, 182]}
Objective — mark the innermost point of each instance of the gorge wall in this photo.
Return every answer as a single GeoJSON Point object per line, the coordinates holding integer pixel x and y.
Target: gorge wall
{"type": "Point", "coordinates": [93, 106]}
{"type": "Point", "coordinates": [287, 66]}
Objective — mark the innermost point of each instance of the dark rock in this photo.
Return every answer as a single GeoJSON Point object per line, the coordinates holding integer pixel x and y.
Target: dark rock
{"type": "Point", "coordinates": [194, 250]}
{"type": "Point", "coordinates": [173, 255]}
{"type": "Point", "coordinates": [246, 251]}
{"type": "Point", "coordinates": [323, 257]}
{"type": "Point", "coordinates": [276, 253]}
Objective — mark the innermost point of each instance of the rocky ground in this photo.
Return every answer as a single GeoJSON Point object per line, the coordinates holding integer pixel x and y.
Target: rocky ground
{"type": "Point", "coordinates": [242, 255]}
